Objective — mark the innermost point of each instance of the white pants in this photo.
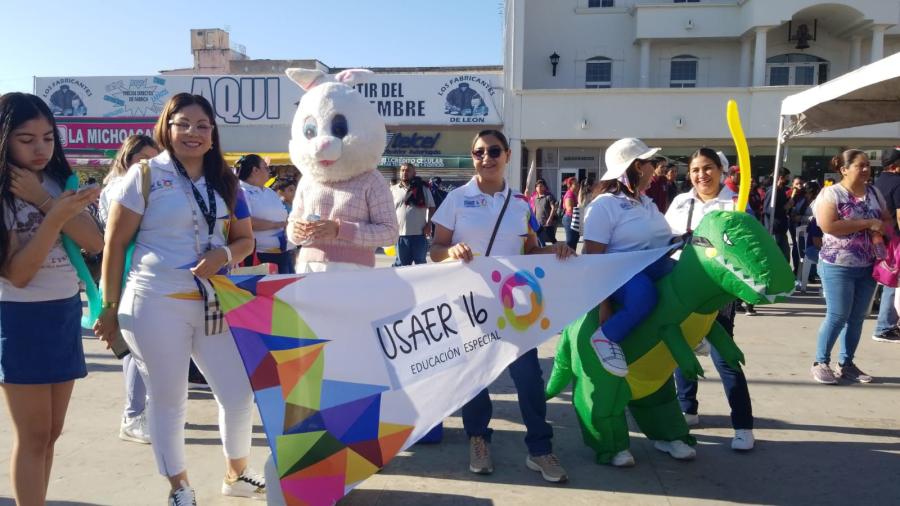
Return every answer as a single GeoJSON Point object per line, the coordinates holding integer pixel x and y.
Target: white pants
{"type": "Point", "coordinates": [274, 496]}
{"type": "Point", "coordinates": [163, 334]}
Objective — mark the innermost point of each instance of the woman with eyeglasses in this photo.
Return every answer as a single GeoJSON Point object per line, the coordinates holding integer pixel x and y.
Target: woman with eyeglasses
{"type": "Point", "coordinates": [268, 216]}
{"type": "Point", "coordinates": [463, 227]}
{"type": "Point", "coordinates": [705, 170]}
{"type": "Point", "coordinates": [191, 223]}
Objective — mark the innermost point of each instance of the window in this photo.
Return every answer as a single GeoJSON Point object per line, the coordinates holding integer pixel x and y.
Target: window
{"type": "Point", "coordinates": [796, 69]}
{"type": "Point", "coordinates": [683, 72]}
{"type": "Point", "coordinates": [601, 3]}
{"type": "Point", "coordinates": [598, 72]}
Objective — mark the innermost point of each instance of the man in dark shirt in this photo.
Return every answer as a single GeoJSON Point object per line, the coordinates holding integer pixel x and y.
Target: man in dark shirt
{"type": "Point", "coordinates": [780, 223]}
{"type": "Point", "coordinates": [796, 207]}
{"type": "Point", "coordinates": [658, 191]}
{"type": "Point", "coordinates": [672, 178]}
{"type": "Point", "coordinates": [888, 183]}
{"type": "Point", "coordinates": [545, 207]}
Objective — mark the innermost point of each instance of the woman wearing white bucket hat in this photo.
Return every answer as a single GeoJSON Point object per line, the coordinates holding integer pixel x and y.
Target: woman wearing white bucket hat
{"type": "Point", "coordinates": [622, 219]}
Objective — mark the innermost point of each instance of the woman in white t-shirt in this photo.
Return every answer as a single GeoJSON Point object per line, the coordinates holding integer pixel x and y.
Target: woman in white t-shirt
{"type": "Point", "coordinates": [133, 426]}
{"type": "Point", "coordinates": [41, 354]}
{"type": "Point", "coordinates": [267, 214]}
{"type": "Point", "coordinates": [191, 223]}
{"type": "Point", "coordinates": [621, 218]}
{"type": "Point", "coordinates": [463, 226]}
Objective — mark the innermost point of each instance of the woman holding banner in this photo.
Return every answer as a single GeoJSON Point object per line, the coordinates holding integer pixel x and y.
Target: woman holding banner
{"type": "Point", "coordinates": [191, 223]}
{"type": "Point", "coordinates": [621, 218]}
{"type": "Point", "coordinates": [485, 217]}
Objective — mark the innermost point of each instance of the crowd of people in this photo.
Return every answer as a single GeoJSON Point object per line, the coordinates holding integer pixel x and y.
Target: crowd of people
{"type": "Point", "coordinates": [172, 214]}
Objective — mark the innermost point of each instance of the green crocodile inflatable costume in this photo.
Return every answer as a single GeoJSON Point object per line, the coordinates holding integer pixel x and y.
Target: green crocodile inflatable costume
{"type": "Point", "coordinates": [730, 256]}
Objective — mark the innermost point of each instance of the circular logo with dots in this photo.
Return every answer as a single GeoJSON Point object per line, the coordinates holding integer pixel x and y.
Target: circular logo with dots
{"type": "Point", "coordinates": [520, 316]}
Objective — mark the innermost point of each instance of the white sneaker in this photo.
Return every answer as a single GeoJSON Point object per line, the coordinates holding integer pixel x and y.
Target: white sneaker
{"type": "Point", "coordinates": [184, 496]}
{"type": "Point", "coordinates": [692, 419]}
{"type": "Point", "coordinates": [249, 484]}
{"type": "Point", "coordinates": [610, 354]}
{"type": "Point", "coordinates": [743, 440]}
{"type": "Point", "coordinates": [678, 449]}
{"type": "Point", "coordinates": [623, 459]}
{"type": "Point", "coordinates": [702, 348]}
{"type": "Point", "coordinates": [135, 429]}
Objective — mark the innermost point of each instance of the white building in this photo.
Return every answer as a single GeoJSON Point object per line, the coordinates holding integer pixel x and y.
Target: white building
{"type": "Point", "coordinates": [664, 70]}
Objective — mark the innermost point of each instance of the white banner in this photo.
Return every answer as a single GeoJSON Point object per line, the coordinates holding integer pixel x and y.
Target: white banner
{"type": "Point", "coordinates": [349, 368]}
{"type": "Point", "coordinates": [401, 99]}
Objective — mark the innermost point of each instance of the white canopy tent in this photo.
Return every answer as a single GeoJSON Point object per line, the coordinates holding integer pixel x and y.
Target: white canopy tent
{"type": "Point", "coordinates": [867, 96]}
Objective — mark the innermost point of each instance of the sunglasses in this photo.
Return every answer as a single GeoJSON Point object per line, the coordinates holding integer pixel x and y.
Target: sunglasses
{"type": "Point", "coordinates": [493, 152]}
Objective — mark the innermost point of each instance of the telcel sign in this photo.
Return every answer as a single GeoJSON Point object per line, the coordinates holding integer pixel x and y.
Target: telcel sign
{"type": "Point", "coordinates": [414, 141]}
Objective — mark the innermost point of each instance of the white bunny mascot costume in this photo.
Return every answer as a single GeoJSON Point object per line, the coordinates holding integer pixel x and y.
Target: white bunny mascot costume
{"type": "Point", "coordinates": [337, 139]}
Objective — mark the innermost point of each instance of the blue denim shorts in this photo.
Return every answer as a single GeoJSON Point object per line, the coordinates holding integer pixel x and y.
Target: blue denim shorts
{"type": "Point", "coordinates": [40, 342]}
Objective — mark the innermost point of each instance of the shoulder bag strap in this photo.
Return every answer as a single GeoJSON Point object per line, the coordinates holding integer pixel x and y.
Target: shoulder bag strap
{"type": "Point", "coordinates": [499, 219]}
{"type": "Point", "coordinates": [145, 182]}
{"type": "Point", "coordinates": [878, 198]}
{"type": "Point", "coordinates": [687, 227]}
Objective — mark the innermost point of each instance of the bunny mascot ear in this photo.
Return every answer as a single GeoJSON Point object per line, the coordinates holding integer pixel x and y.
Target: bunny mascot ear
{"type": "Point", "coordinates": [307, 78]}
{"type": "Point", "coordinates": [352, 77]}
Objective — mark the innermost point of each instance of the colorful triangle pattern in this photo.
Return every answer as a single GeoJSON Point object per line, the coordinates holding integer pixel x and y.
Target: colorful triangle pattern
{"type": "Point", "coordinates": [326, 435]}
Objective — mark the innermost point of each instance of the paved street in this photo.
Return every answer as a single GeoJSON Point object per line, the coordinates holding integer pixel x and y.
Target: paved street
{"type": "Point", "coordinates": [815, 444]}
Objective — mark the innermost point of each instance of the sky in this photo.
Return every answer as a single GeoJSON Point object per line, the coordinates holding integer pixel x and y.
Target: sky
{"type": "Point", "coordinates": [101, 38]}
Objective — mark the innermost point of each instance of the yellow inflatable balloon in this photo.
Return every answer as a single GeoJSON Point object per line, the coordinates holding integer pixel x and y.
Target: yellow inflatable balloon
{"type": "Point", "coordinates": [642, 377]}
{"type": "Point", "coordinates": [740, 143]}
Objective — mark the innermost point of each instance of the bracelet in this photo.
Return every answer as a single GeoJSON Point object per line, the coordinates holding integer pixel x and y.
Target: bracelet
{"type": "Point", "coordinates": [41, 207]}
{"type": "Point", "coordinates": [227, 253]}
{"type": "Point", "coordinates": [109, 305]}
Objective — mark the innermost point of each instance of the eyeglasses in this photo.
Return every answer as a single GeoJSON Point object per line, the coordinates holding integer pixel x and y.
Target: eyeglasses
{"type": "Point", "coordinates": [185, 127]}
{"type": "Point", "coordinates": [493, 152]}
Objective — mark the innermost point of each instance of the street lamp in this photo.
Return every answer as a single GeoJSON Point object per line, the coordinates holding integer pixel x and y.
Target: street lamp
{"type": "Point", "coordinates": [554, 60]}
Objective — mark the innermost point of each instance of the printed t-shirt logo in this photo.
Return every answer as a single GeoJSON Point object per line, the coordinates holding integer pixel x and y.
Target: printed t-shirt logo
{"type": "Point", "coordinates": [473, 202]}
{"type": "Point", "coordinates": [162, 184]}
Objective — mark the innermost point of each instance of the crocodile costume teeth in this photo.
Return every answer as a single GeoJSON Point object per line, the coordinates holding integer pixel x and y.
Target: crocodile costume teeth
{"type": "Point", "coordinates": [731, 256]}
{"type": "Point", "coordinates": [749, 281]}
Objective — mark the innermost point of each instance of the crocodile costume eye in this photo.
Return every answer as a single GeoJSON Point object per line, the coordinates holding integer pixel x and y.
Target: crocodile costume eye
{"type": "Point", "coordinates": [727, 240]}
{"type": "Point", "coordinates": [703, 242]}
